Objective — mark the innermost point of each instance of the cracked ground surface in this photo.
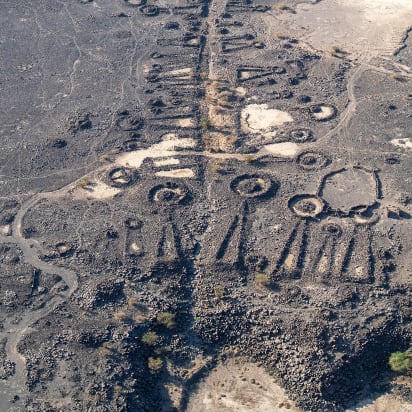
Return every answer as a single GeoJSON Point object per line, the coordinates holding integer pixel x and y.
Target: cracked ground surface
{"type": "Point", "coordinates": [193, 190]}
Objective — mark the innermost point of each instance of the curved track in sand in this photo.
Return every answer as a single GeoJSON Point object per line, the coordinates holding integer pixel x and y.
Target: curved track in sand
{"type": "Point", "coordinates": [16, 332]}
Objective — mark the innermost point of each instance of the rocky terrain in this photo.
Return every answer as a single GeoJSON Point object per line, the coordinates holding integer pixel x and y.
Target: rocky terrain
{"type": "Point", "coordinates": [205, 205]}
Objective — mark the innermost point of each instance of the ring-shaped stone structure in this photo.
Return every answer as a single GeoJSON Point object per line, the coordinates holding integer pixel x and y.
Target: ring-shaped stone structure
{"type": "Point", "coordinates": [121, 177]}
{"type": "Point", "coordinates": [309, 160]}
{"type": "Point", "coordinates": [306, 206]}
{"type": "Point", "coordinates": [252, 186]}
{"type": "Point", "coordinates": [169, 193]}
{"type": "Point", "coordinates": [332, 229]}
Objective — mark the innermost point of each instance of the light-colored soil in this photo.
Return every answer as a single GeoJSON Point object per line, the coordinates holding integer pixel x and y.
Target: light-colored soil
{"type": "Point", "coordinates": [285, 149]}
{"type": "Point", "coordinates": [95, 190]}
{"type": "Point", "coordinates": [363, 28]}
{"type": "Point", "coordinates": [185, 73]}
{"type": "Point", "coordinates": [385, 403]}
{"type": "Point", "coordinates": [404, 143]}
{"type": "Point", "coordinates": [185, 122]}
{"type": "Point", "coordinates": [166, 162]}
{"type": "Point", "coordinates": [163, 149]}
{"type": "Point", "coordinates": [243, 387]}
{"type": "Point", "coordinates": [188, 173]}
{"type": "Point", "coordinates": [5, 230]}
{"type": "Point", "coordinates": [325, 113]}
{"type": "Point", "coordinates": [258, 118]}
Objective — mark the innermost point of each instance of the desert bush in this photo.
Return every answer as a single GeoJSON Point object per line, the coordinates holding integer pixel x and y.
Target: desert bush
{"type": "Point", "coordinates": [262, 279]}
{"type": "Point", "coordinates": [401, 361]}
{"type": "Point", "coordinates": [83, 183]}
{"type": "Point", "coordinates": [121, 316]}
{"type": "Point", "coordinates": [132, 302]}
{"type": "Point", "coordinates": [154, 364]}
{"type": "Point", "coordinates": [166, 319]}
{"type": "Point", "coordinates": [117, 389]}
{"type": "Point", "coordinates": [105, 352]}
{"type": "Point", "coordinates": [204, 123]}
{"type": "Point", "coordinates": [219, 291]}
{"type": "Point", "coordinates": [281, 36]}
{"type": "Point", "coordinates": [150, 338]}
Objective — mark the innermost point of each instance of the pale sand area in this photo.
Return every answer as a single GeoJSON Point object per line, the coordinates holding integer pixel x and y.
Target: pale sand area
{"type": "Point", "coordinates": [95, 189]}
{"type": "Point", "coordinates": [385, 403]}
{"type": "Point", "coordinates": [166, 148]}
{"type": "Point", "coordinates": [363, 28]}
{"type": "Point", "coordinates": [285, 149]}
{"type": "Point", "coordinates": [405, 143]}
{"type": "Point", "coordinates": [258, 118]}
{"type": "Point", "coordinates": [243, 387]}
{"type": "Point", "coordinates": [180, 173]}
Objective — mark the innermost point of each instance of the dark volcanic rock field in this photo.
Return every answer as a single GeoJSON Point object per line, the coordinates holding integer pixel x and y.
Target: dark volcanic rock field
{"type": "Point", "coordinates": [182, 183]}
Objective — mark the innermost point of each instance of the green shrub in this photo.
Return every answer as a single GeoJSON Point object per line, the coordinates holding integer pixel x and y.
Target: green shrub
{"type": "Point", "coordinates": [401, 361]}
{"type": "Point", "coordinates": [262, 279]}
{"type": "Point", "coordinates": [166, 319]}
{"type": "Point", "coordinates": [154, 364]}
{"type": "Point", "coordinates": [219, 291]}
{"type": "Point", "coordinates": [84, 183]}
{"type": "Point", "coordinates": [204, 123]}
{"type": "Point", "coordinates": [150, 338]}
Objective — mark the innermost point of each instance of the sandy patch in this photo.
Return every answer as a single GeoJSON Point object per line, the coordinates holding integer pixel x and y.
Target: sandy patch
{"type": "Point", "coordinates": [364, 28]}
{"type": "Point", "coordinates": [163, 149]}
{"type": "Point", "coordinates": [220, 118]}
{"type": "Point", "coordinates": [381, 10]}
{"type": "Point", "coordinates": [246, 74]}
{"type": "Point", "coordinates": [241, 91]}
{"type": "Point", "coordinates": [166, 162]}
{"type": "Point", "coordinates": [289, 261]}
{"type": "Point", "coordinates": [324, 113]}
{"type": "Point", "coordinates": [5, 230]}
{"type": "Point", "coordinates": [95, 190]}
{"type": "Point", "coordinates": [257, 118]}
{"type": "Point", "coordinates": [186, 73]}
{"type": "Point", "coordinates": [193, 42]}
{"type": "Point", "coordinates": [405, 143]}
{"type": "Point", "coordinates": [385, 403]}
{"type": "Point", "coordinates": [185, 122]}
{"type": "Point", "coordinates": [323, 264]}
{"type": "Point", "coordinates": [239, 388]}
{"type": "Point", "coordinates": [134, 248]}
{"type": "Point", "coordinates": [180, 173]}
{"type": "Point", "coordinates": [285, 149]}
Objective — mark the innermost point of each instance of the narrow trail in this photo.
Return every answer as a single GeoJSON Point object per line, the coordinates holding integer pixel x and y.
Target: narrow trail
{"type": "Point", "coordinates": [15, 332]}
{"type": "Point", "coordinates": [350, 110]}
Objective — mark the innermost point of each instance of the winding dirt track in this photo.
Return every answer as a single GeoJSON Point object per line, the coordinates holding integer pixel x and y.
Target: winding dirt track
{"type": "Point", "coordinates": [15, 332]}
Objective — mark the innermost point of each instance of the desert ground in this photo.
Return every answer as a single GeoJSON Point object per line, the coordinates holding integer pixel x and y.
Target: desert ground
{"type": "Point", "coordinates": [205, 205]}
